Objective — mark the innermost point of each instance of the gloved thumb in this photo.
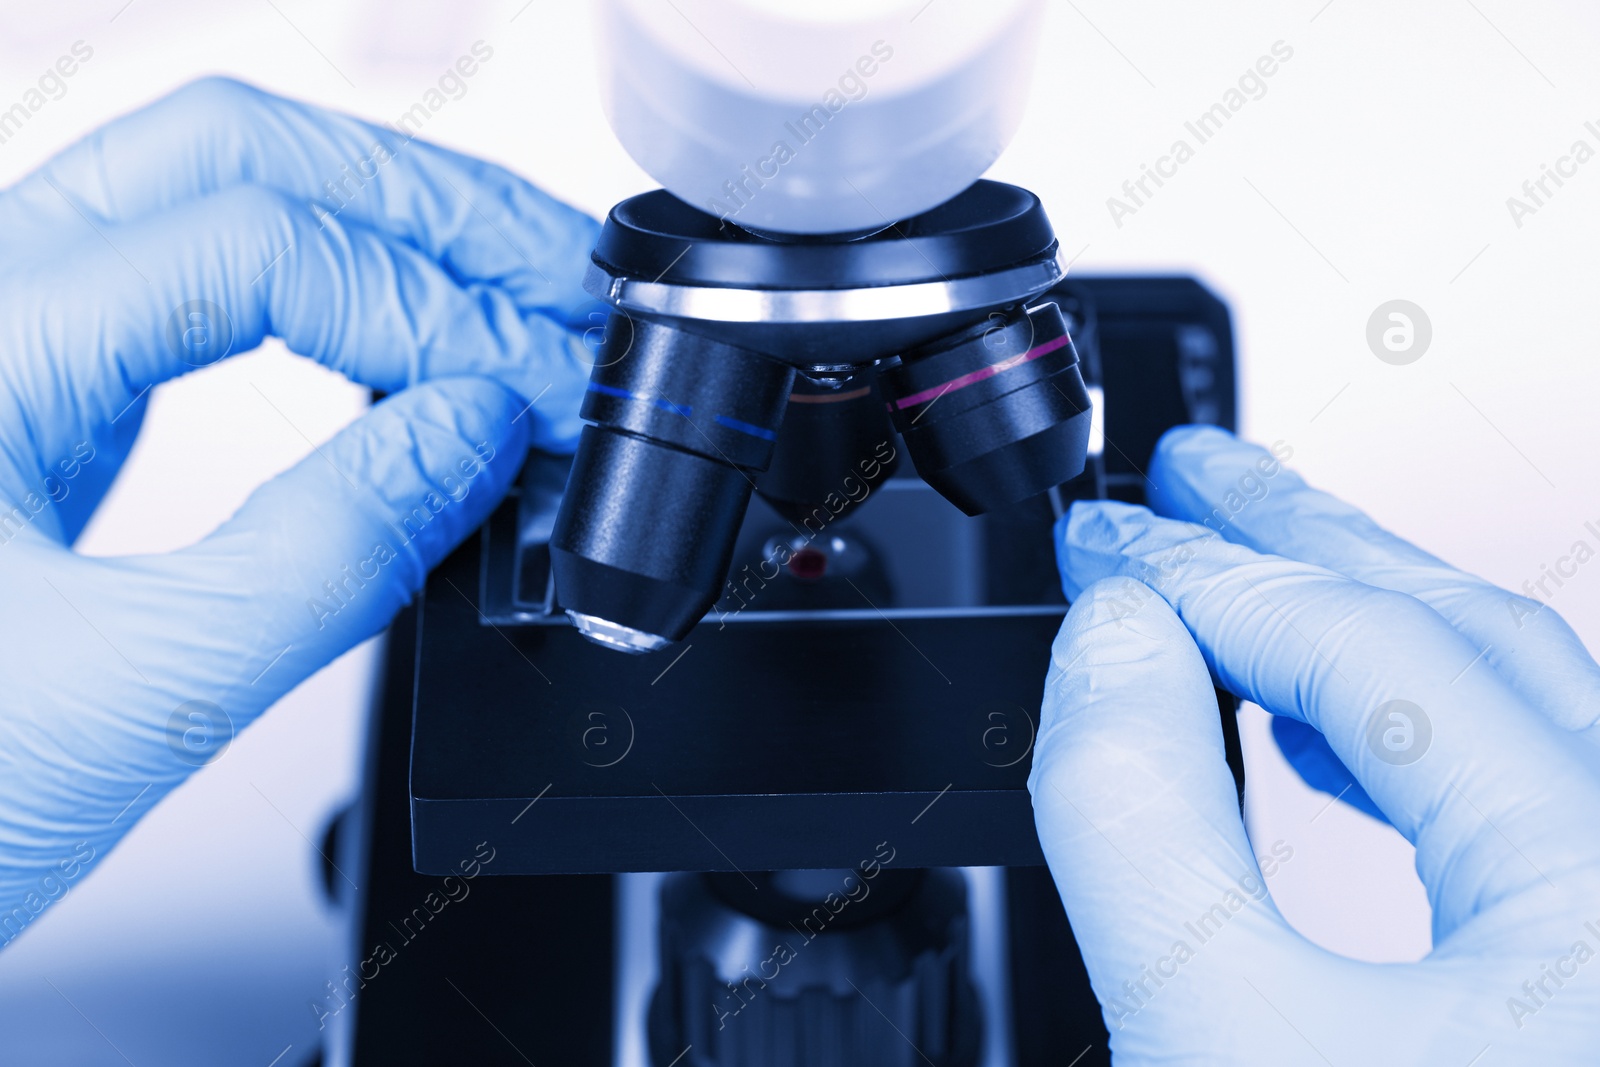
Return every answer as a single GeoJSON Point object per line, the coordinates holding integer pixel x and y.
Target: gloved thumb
{"type": "Point", "coordinates": [1138, 815]}
{"type": "Point", "coordinates": [323, 556]}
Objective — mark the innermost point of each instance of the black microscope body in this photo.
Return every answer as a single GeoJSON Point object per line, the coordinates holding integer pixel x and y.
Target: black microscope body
{"type": "Point", "coordinates": [798, 830]}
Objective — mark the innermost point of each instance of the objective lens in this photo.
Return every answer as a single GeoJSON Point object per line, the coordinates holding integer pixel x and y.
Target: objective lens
{"type": "Point", "coordinates": [699, 364]}
{"type": "Point", "coordinates": [996, 414]}
{"type": "Point", "coordinates": [683, 425]}
{"type": "Point", "coordinates": [836, 447]}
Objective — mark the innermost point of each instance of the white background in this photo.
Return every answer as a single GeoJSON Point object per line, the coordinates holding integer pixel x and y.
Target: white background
{"type": "Point", "coordinates": [1377, 166]}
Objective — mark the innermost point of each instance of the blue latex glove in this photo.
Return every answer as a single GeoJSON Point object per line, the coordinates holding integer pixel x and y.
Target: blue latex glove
{"type": "Point", "coordinates": [165, 240]}
{"type": "Point", "coordinates": [1309, 609]}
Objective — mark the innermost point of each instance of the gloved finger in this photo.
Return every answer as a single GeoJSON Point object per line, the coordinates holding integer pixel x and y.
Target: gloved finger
{"type": "Point", "coordinates": [1138, 814]}
{"type": "Point", "coordinates": [1206, 475]}
{"type": "Point", "coordinates": [1489, 790]}
{"type": "Point", "coordinates": [218, 275]}
{"type": "Point", "coordinates": [316, 561]}
{"type": "Point", "coordinates": [481, 222]}
{"type": "Point", "coordinates": [321, 557]}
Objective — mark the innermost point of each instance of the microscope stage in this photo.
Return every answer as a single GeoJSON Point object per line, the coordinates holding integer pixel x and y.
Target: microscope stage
{"type": "Point", "coordinates": [803, 722]}
{"type": "Point", "coordinates": [770, 740]}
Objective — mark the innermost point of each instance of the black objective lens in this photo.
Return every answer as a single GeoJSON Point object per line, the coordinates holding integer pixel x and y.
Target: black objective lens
{"type": "Point", "coordinates": [836, 443]}
{"type": "Point", "coordinates": [684, 424]}
{"type": "Point", "coordinates": [995, 414]}
{"type": "Point", "coordinates": [714, 323]}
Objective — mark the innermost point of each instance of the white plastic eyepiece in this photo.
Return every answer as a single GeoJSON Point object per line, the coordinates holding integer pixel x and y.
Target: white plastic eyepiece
{"type": "Point", "coordinates": [822, 117]}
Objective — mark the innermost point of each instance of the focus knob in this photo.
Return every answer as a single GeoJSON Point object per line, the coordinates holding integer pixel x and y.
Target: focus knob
{"type": "Point", "coordinates": [815, 969]}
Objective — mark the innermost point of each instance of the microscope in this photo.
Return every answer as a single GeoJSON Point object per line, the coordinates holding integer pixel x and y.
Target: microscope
{"type": "Point", "coordinates": [711, 748]}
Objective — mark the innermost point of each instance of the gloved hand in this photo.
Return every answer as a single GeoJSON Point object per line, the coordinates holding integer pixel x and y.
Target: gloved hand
{"type": "Point", "coordinates": [1467, 713]}
{"type": "Point", "coordinates": [191, 229]}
